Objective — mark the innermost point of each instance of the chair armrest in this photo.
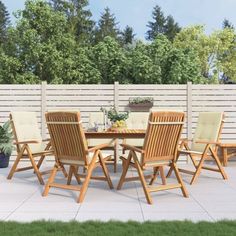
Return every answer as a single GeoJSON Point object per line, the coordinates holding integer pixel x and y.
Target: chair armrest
{"type": "Point", "coordinates": [27, 142]}
{"type": "Point", "coordinates": [207, 142]}
{"type": "Point", "coordinates": [133, 148]}
{"type": "Point", "coordinates": [101, 146]}
{"type": "Point", "coordinates": [46, 140]}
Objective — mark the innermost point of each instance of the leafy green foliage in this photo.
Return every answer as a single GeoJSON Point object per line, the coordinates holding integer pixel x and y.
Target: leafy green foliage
{"type": "Point", "coordinates": [140, 100]}
{"type": "Point", "coordinates": [109, 59]}
{"type": "Point", "coordinates": [55, 41]}
{"type": "Point", "coordinates": [4, 22]}
{"type": "Point", "coordinates": [78, 18]}
{"type": "Point", "coordinates": [6, 139]}
{"type": "Point", "coordinates": [114, 116]}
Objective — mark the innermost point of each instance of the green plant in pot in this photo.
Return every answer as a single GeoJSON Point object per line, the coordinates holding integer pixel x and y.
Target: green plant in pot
{"type": "Point", "coordinates": [117, 118]}
{"type": "Point", "coordinates": [6, 144]}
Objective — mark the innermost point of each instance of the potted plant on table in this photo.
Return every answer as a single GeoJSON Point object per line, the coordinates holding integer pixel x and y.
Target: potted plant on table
{"type": "Point", "coordinates": [6, 144]}
{"type": "Point", "coordinates": [117, 119]}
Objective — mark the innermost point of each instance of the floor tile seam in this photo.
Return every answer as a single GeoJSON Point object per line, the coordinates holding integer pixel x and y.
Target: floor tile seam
{"type": "Point", "coordinates": [20, 205]}
{"type": "Point", "coordinates": [140, 205]}
{"type": "Point", "coordinates": [206, 211]}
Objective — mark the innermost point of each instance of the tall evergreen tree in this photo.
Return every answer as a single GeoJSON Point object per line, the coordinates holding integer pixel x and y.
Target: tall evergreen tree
{"type": "Point", "coordinates": [227, 24]}
{"type": "Point", "coordinates": [107, 26]}
{"type": "Point", "coordinates": [4, 22]}
{"type": "Point", "coordinates": [171, 28]}
{"type": "Point", "coordinates": [161, 25]}
{"type": "Point", "coordinates": [158, 25]}
{"type": "Point", "coordinates": [127, 36]}
{"type": "Point", "coordinates": [79, 18]}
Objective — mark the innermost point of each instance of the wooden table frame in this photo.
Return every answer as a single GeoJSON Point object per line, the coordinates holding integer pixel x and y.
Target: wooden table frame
{"type": "Point", "coordinates": [125, 134]}
{"type": "Point", "coordinates": [224, 147]}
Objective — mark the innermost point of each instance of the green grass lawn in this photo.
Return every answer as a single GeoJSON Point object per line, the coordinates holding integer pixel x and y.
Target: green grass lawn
{"type": "Point", "coordinates": [117, 228]}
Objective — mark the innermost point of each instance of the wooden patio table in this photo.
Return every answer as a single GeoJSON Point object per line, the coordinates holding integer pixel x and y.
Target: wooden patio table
{"type": "Point", "coordinates": [226, 154]}
{"type": "Point", "coordinates": [118, 134]}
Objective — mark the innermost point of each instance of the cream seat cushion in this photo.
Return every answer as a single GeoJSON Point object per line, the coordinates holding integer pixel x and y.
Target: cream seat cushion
{"type": "Point", "coordinates": [79, 162]}
{"type": "Point", "coordinates": [26, 127]}
{"type": "Point", "coordinates": [208, 128]}
{"type": "Point", "coordinates": [137, 120]}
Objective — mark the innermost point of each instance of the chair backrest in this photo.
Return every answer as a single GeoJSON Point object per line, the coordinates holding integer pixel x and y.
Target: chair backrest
{"type": "Point", "coordinates": [67, 135]}
{"type": "Point", "coordinates": [162, 136]}
{"type": "Point", "coordinates": [137, 120]}
{"type": "Point", "coordinates": [25, 127]}
{"type": "Point", "coordinates": [208, 128]}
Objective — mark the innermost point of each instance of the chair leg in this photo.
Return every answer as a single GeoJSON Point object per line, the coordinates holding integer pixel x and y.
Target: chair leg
{"type": "Point", "coordinates": [105, 170]}
{"type": "Point", "coordinates": [162, 173]}
{"type": "Point", "coordinates": [69, 175]}
{"type": "Point", "coordinates": [13, 169]}
{"type": "Point", "coordinates": [87, 179]}
{"type": "Point", "coordinates": [215, 157]}
{"type": "Point", "coordinates": [40, 161]}
{"type": "Point", "coordinates": [171, 167]}
{"type": "Point", "coordinates": [143, 181]}
{"type": "Point", "coordinates": [36, 169]}
{"type": "Point", "coordinates": [50, 180]}
{"type": "Point", "coordinates": [155, 174]}
{"type": "Point", "coordinates": [124, 171]}
{"type": "Point", "coordinates": [115, 158]}
{"type": "Point", "coordinates": [75, 171]}
{"type": "Point", "coordinates": [198, 170]}
{"type": "Point", "coordinates": [178, 176]}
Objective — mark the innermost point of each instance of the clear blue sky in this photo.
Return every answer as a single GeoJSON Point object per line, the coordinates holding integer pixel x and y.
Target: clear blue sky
{"type": "Point", "coordinates": [137, 13]}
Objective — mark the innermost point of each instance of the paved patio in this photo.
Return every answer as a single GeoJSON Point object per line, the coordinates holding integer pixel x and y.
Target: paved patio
{"type": "Point", "coordinates": [211, 199]}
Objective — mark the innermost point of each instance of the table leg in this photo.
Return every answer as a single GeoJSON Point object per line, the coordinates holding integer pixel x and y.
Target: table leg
{"type": "Point", "coordinates": [225, 158]}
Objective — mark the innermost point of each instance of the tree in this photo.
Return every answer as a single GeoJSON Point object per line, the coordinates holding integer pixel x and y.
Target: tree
{"type": "Point", "coordinates": [107, 26]}
{"type": "Point", "coordinates": [162, 25]}
{"type": "Point", "coordinates": [127, 35]}
{"type": "Point", "coordinates": [109, 58]}
{"type": "Point", "coordinates": [171, 28]}
{"type": "Point", "coordinates": [227, 24]}
{"type": "Point", "coordinates": [78, 17]}
{"type": "Point", "coordinates": [4, 22]}
{"type": "Point", "coordinates": [43, 50]}
{"type": "Point", "coordinates": [181, 66]}
{"type": "Point", "coordinates": [158, 25]}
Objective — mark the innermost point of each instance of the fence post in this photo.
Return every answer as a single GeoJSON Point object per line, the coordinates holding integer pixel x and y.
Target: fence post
{"type": "Point", "coordinates": [189, 112]}
{"type": "Point", "coordinates": [116, 95]}
{"type": "Point", "coordinates": [43, 108]}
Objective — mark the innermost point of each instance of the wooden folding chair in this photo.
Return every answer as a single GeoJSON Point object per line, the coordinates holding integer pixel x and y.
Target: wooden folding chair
{"type": "Point", "coordinates": [29, 143]}
{"type": "Point", "coordinates": [204, 145]}
{"type": "Point", "coordinates": [159, 150]}
{"type": "Point", "coordinates": [70, 146]}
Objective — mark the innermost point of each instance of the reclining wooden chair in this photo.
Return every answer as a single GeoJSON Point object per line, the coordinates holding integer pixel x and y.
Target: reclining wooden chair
{"type": "Point", "coordinates": [70, 147]}
{"type": "Point", "coordinates": [159, 150]}
{"type": "Point", "coordinates": [204, 144]}
{"type": "Point", "coordinates": [29, 143]}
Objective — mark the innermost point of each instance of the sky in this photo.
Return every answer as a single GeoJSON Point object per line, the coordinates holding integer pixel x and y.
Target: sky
{"type": "Point", "coordinates": [137, 13]}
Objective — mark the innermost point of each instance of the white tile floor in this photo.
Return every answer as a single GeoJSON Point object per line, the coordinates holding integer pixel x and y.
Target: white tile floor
{"type": "Point", "coordinates": [211, 199]}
